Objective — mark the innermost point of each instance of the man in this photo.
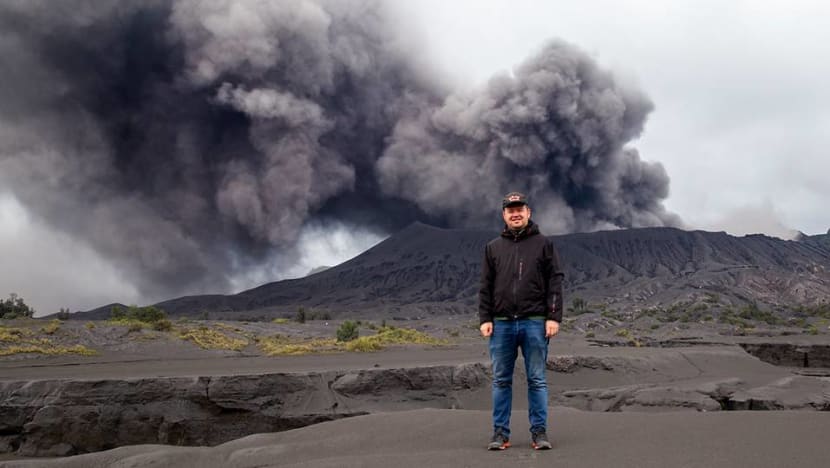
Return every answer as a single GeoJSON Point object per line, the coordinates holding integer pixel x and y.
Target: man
{"type": "Point", "coordinates": [520, 306]}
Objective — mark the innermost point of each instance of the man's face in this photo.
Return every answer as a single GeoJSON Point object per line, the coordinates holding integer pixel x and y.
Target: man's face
{"type": "Point", "coordinates": [516, 217]}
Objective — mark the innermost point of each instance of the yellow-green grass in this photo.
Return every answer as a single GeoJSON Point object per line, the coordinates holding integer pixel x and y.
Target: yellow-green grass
{"type": "Point", "coordinates": [277, 345]}
{"type": "Point", "coordinates": [13, 335]}
{"type": "Point", "coordinates": [133, 324]}
{"type": "Point", "coordinates": [51, 327]}
{"type": "Point", "coordinates": [236, 330]}
{"type": "Point", "coordinates": [391, 336]}
{"type": "Point", "coordinates": [48, 349]}
{"type": "Point", "coordinates": [208, 338]}
{"type": "Point", "coordinates": [24, 341]}
{"type": "Point", "coordinates": [280, 321]}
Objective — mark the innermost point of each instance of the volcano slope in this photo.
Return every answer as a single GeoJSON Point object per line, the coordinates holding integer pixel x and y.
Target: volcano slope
{"type": "Point", "coordinates": [424, 270]}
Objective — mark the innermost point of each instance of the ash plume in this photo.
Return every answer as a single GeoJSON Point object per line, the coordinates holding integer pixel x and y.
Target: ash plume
{"type": "Point", "coordinates": [188, 141]}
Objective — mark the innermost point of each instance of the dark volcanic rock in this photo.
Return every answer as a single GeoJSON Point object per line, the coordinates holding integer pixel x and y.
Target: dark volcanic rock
{"type": "Point", "coordinates": [790, 393]}
{"type": "Point", "coordinates": [63, 417]}
{"type": "Point", "coordinates": [787, 354]}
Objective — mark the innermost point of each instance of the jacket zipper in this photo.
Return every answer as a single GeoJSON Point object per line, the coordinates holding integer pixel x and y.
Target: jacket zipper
{"type": "Point", "coordinates": [515, 295]}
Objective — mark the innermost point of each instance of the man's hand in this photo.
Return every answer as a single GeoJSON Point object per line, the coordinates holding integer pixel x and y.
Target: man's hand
{"type": "Point", "coordinates": [486, 329]}
{"type": "Point", "coordinates": [551, 328]}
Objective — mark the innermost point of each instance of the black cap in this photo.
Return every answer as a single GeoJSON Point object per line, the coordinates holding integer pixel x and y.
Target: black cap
{"type": "Point", "coordinates": [513, 199]}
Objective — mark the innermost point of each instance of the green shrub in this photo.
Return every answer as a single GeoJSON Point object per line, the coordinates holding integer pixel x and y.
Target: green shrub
{"type": "Point", "coordinates": [162, 325]}
{"type": "Point", "coordinates": [137, 318]}
{"type": "Point", "coordinates": [578, 306]}
{"type": "Point", "coordinates": [347, 331]}
{"type": "Point", "coordinates": [147, 314]}
{"type": "Point", "coordinates": [300, 317]}
{"type": "Point", "coordinates": [14, 307]}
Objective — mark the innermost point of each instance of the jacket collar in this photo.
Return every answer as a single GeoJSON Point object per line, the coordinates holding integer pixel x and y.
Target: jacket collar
{"type": "Point", "coordinates": [530, 230]}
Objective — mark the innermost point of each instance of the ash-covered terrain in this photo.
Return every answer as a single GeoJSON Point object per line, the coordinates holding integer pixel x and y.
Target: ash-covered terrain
{"type": "Point", "coordinates": [423, 270]}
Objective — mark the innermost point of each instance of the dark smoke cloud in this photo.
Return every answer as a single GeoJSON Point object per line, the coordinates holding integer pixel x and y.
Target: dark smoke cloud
{"type": "Point", "coordinates": [188, 141]}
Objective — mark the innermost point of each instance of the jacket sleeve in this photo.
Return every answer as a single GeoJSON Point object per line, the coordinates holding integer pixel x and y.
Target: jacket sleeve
{"type": "Point", "coordinates": [555, 277]}
{"type": "Point", "coordinates": [485, 293]}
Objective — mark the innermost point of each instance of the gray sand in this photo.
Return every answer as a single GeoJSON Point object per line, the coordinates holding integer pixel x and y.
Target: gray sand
{"type": "Point", "coordinates": [455, 438]}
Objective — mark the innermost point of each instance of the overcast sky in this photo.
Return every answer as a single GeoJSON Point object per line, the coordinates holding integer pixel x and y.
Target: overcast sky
{"type": "Point", "coordinates": [741, 120]}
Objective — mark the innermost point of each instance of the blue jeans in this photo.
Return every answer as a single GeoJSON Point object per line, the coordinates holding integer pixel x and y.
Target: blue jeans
{"type": "Point", "coordinates": [508, 336]}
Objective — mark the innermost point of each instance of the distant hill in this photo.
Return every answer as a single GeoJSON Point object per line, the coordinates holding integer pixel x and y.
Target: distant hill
{"type": "Point", "coordinates": [427, 270]}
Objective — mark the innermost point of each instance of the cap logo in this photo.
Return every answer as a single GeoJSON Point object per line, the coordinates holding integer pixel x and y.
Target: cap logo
{"type": "Point", "coordinates": [514, 198]}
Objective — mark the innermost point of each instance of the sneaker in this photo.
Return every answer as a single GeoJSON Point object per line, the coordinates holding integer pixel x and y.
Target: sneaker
{"type": "Point", "coordinates": [498, 442]}
{"type": "Point", "coordinates": [540, 441]}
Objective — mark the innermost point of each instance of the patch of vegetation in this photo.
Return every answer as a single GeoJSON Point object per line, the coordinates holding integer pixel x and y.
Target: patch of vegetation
{"type": "Point", "coordinates": [699, 307]}
{"type": "Point", "coordinates": [319, 316]}
{"type": "Point", "coordinates": [208, 338]}
{"type": "Point", "coordinates": [24, 341]}
{"type": "Point", "coordinates": [47, 349]}
{"type": "Point", "coordinates": [89, 325]}
{"type": "Point", "coordinates": [812, 330]}
{"type": "Point", "coordinates": [391, 336]}
{"type": "Point", "coordinates": [277, 345]}
{"type": "Point", "coordinates": [347, 331]}
{"type": "Point", "coordinates": [162, 325]}
{"type": "Point", "coordinates": [711, 298]}
{"type": "Point", "coordinates": [13, 335]}
{"type": "Point", "coordinates": [15, 307]}
{"type": "Point", "coordinates": [590, 334]}
{"type": "Point", "coordinates": [51, 327]}
{"type": "Point", "coordinates": [821, 311]}
{"type": "Point", "coordinates": [578, 306]}
{"type": "Point", "coordinates": [610, 315]}
{"type": "Point", "coordinates": [623, 333]}
{"type": "Point", "coordinates": [730, 318]}
{"type": "Point", "coordinates": [301, 315]}
{"type": "Point", "coordinates": [282, 345]}
{"type": "Point", "coordinates": [280, 321]}
{"type": "Point", "coordinates": [137, 318]}
{"type": "Point", "coordinates": [752, 312]}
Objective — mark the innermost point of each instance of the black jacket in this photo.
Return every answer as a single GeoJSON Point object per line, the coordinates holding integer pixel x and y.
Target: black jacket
{"type": "Point", "coordinates": [520, 277]}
